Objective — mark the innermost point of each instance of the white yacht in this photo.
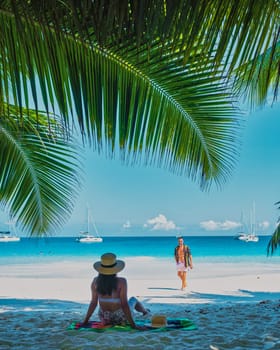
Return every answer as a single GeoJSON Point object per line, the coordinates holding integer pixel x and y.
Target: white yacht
{"type": "Point", "coordinates": [86, 236]}
{"type": "Point", "coordinates": [5, 236]}
{"type": "Point", "coordinates": [250, 236]}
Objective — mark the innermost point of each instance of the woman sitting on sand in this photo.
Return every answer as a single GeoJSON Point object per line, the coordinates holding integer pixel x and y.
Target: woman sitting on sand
{"type": "Point", "coordinates": [110, 292]}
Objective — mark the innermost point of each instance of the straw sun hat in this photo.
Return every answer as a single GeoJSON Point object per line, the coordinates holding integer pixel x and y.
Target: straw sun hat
{"type": "Point", "coordinates": [109, 265]}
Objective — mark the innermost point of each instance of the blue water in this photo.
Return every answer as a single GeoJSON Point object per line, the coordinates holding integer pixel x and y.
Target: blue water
{"type": "Point", "coordinates": [204, 249]}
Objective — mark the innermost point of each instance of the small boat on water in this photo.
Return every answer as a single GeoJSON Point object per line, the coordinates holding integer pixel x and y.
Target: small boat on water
{"type": "Point", "coordinates": [248, 237]}
{"type": "Point", "coordinates": [5, 236]}
{"type": "Point", "coordinates": [86, 236]}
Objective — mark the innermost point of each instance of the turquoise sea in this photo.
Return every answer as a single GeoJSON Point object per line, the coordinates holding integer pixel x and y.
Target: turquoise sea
{"type": "Point", "coordinates": [204, 249]}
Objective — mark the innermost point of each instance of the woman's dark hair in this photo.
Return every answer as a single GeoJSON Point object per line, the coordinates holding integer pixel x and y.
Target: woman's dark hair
{"type": "Point", "coordinates": [106, 284]}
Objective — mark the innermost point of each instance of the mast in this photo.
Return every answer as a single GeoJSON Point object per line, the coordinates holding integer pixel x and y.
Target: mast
{"type": "Point", "coordinates": [88, 220]}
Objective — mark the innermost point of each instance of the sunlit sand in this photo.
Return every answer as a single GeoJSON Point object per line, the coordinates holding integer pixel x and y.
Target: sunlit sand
{"type": "Point", "coordinates": [234, 306]}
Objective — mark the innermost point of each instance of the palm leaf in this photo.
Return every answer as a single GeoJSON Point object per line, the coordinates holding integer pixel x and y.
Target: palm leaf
{"type": "Point", "coordinates": [258, 82]}
{"type": "Point", "coordinates": [275, 239]}
{"type": "Point", "coordinates": [157, 80]}
{"type": "Point", "coordinates": [38, 181]}
{"type": "Point", "coordinates": [234, 32]}
{"type": "Point", "coordinates": [90, 70]}
{"type": "Point", "coordinates": [177, 116]}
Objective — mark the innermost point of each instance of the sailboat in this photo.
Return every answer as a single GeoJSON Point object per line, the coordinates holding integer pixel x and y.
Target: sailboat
{"type": "Point", "coordinates": [251, 236]}
{"type": "Point", "coordinates": [86, 237]}
{"type": "Point", "coordinates": [5, 236]}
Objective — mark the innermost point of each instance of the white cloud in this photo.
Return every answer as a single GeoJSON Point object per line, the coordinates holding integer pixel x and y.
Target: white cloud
{"type": "Point", "coordinates": [127, 224]}
{"type": "Point", "coordinates": [264, 225]}
{"type": "Point", "coordinates": [212, 225]}
{"type": "Point", "coordinates": [160, 222]}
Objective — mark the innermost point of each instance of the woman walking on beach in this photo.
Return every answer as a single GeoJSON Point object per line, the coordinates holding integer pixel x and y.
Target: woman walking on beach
{"type": "Point", "coordinates": [183, 258]}
{"type": "Point", "coordinates": [110, 292]}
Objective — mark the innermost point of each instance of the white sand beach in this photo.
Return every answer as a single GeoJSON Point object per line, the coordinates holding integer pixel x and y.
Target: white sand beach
{"type": "Point", "coordinates": [234, 306]}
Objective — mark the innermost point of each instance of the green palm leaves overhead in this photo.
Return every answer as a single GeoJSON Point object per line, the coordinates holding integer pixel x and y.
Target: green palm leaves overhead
{"type": "Point", "coordinates": [156, 81]}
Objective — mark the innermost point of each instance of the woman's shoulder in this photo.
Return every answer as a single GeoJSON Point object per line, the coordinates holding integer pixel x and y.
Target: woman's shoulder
{"type": "Point", "coordinates": [121, 280]}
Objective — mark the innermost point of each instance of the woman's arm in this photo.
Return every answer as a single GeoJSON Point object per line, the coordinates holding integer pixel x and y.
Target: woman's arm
{"type": "Point", "coordinates": [93, 303]}
{"type": "Point", "coordinates": [124, 301]}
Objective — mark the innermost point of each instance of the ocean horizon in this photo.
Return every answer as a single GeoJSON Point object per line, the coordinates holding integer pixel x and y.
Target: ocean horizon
{"type": "Point", "coordinates": [204, 249]}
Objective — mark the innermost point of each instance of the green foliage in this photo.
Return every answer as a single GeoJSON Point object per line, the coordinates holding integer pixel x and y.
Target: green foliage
{"type": "Point", "coordinates": [39, 173]}
{"type": "Point", "coordinates": [275, 239]}
{"type": "Point", "coordinates": [155, 81]}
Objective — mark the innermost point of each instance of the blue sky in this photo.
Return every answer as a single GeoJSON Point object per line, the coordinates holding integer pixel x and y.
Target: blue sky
{"type": "Point", "coordinates": [150, 201]}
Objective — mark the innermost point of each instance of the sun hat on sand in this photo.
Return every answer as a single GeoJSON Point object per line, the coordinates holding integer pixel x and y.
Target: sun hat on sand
{"type": "Point", "coordinates": [158, 321]}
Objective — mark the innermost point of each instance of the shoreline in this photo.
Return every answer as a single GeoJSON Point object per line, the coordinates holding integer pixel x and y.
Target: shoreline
{"type": "Point", "coordinates": [148, 278]}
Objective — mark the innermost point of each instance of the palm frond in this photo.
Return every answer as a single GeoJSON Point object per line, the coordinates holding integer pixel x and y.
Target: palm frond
{"type": "Point", "coordinates": [258, 83]}
{"type": "Point", "coordinates": [234, 32]}
{"type": "Point", "coordinates": [157, 80]}
{"type": "Point", "coordinates": [38, 174]}
{"type": "Point", "coordinates": [178, 116]}
{"type": "Point", "coordinates": [274, 242]}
